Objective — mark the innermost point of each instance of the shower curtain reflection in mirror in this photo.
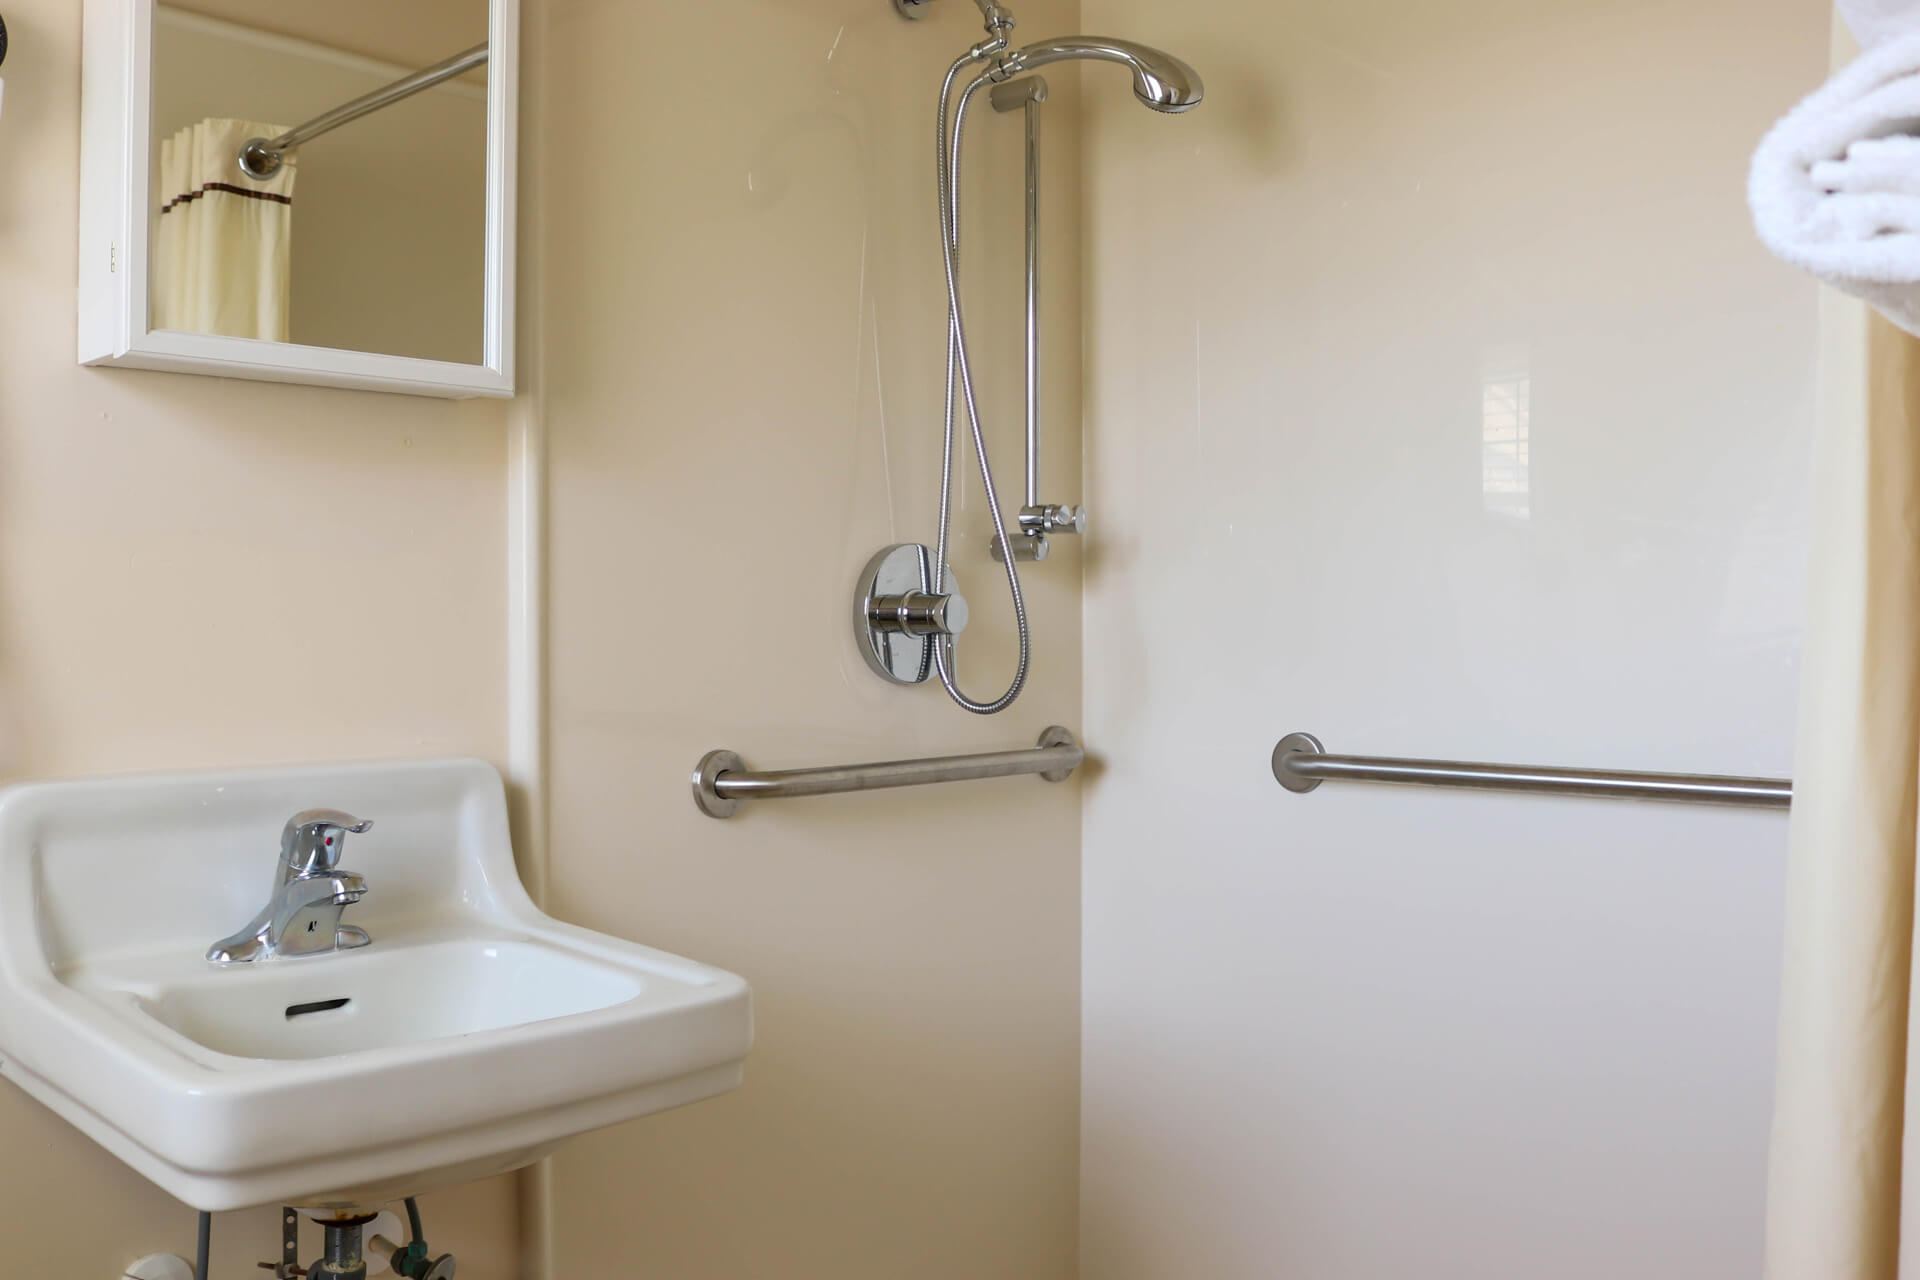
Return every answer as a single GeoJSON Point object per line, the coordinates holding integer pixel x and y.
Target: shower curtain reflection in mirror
{"type": "Point", "coordinates": [221, 247]}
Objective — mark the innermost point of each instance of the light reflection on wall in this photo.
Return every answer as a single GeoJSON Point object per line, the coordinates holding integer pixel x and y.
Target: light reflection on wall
{"type": "Point", "coordinates": [1506, 393]}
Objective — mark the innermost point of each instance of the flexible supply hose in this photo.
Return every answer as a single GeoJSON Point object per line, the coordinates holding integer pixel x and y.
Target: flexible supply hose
{"type": "Point", "coordinates": [960, 376]}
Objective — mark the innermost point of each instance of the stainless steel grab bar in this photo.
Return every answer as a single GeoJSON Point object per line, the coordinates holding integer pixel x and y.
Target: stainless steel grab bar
{"type": "Point", "coordinates": [722, 782]}
{"type": "Point", "coordinates": [1300, 764]}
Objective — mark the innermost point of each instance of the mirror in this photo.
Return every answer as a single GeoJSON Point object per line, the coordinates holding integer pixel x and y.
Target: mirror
{"type": "Point", "coordinates": [369, 237]}
{"type": "Point", "coordinates": [324, 191]}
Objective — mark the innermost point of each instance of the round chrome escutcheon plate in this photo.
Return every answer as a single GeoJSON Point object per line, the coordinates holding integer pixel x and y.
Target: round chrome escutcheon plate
{"type": "Point", "coordinates": [899, 569]}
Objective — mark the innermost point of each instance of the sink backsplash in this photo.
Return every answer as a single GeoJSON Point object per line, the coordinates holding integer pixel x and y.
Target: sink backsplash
{"type": "Point", "coordinates": [210, 843]}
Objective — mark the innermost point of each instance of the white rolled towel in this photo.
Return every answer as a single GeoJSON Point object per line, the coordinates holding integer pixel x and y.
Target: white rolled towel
{"type": "Point", "coordinates": [1835, 187]}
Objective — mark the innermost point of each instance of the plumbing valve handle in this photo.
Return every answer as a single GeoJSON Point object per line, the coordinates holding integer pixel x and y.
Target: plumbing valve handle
{"type": "Point", "coordinates": [312, 839]}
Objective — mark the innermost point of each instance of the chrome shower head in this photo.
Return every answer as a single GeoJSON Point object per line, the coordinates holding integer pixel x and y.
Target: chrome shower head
{"type": "Point", "coordinates": [1160, 80]}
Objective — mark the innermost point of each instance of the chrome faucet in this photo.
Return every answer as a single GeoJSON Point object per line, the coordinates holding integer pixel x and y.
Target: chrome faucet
{"type": "Point", "coordinates": [310, 891]}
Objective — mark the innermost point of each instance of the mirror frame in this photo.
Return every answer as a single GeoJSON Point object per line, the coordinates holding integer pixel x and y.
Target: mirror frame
{"type": "Point", "coordinates": [116, 158]}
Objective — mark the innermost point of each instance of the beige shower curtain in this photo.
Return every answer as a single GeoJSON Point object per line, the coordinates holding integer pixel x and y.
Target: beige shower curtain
{"type": "Point", "coordinates": [221, 249]}
{"type": "Point", "coordinates": [1844, 1193]}
{"type": "Point", "coordinates": [1843, 1197]}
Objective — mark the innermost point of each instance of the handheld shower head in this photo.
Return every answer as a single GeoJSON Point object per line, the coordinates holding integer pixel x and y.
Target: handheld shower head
{"type": "Point", "coordinates": [1160, 80]}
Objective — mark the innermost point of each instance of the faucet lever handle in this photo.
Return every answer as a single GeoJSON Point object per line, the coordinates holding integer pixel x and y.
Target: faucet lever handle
{"type": "Point", "coordinates": [313, 838]}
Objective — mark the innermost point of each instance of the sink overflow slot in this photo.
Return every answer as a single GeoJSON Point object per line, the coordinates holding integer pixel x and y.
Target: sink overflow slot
{"type": "Point", "coordinates": [317, 1006]}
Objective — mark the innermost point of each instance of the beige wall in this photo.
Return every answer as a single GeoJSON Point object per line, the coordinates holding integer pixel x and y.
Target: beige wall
{"type": "Point", "coordinates": [200, 572]}
{"type": "Point", "coordinates": [1386, 1032]}
{"type": "Point", "coordinates": [744, 327]}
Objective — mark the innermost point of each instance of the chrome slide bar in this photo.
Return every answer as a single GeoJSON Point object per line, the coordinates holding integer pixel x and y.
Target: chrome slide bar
{"type": "Point", "coordinates": [1300, 764]}
{"type": "Point", "coordinates": [722, 782]}
{"type": "Point", "coordinates": [1026, 95]}
{"type": "Point", "coordinates": [261, 157]}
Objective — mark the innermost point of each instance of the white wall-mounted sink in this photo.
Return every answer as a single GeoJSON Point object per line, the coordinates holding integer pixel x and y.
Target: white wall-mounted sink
{"type": "Point", "coordinates": [471, 1037]}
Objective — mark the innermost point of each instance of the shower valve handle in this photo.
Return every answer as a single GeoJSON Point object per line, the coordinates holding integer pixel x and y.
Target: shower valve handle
{"type": "Point", "coordinates": [918, 614]}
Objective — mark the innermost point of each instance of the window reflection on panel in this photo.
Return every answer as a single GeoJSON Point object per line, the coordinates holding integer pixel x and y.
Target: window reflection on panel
{"type": "Point", "coordinates": [1506, 392]}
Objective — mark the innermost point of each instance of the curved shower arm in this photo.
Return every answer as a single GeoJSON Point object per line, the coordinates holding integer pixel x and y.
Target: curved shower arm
{"type": "Point", "coordinates": [1161, 80]}
{"type": "Point", "coordinates": [1068, 48]}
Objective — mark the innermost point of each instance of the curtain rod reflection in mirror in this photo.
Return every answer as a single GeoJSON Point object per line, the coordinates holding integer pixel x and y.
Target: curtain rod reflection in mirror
{"type": "Point", "coordinates": [261, 157]}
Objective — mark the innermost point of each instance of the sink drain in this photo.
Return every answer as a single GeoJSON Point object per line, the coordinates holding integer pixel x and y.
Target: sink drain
{"type": "Point", "coordinates": [317, 1006]}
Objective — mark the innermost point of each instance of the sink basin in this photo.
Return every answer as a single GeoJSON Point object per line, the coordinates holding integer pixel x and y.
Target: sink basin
{"type": "Point", "coordinates": [366, 1001]}
{"type": "Point", "coordinates": [471, 1037]}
